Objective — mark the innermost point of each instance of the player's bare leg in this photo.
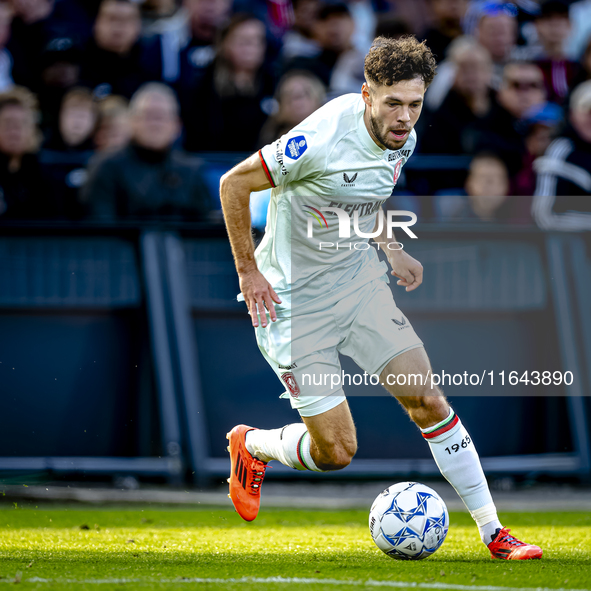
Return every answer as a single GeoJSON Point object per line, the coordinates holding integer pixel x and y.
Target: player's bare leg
{"type": "Point", "coordinates": [333, 441]}
{"type": "Point", "coordinates": [323, 442]}
{"type": "Point", "coordinates": [453, 451]}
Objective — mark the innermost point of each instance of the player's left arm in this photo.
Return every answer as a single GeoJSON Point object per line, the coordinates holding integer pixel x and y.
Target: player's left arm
{"type": "Point", "coordinates": [408, 270]}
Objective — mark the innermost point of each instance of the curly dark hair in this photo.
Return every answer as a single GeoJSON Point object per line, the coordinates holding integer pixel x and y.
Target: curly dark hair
{"type": "Point", "coordinates": [393, 60]}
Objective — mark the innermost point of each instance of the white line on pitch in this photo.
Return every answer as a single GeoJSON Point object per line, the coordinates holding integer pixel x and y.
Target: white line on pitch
{"type": "Point", "coordinates": [300, 581]}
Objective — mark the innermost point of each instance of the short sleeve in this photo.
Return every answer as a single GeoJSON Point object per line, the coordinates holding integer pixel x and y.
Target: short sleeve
{"type": "Point", "coordinates": [297, 155]}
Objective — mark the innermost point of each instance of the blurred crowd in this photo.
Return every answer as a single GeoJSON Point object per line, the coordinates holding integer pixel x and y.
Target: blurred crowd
{"type": "Point", "coordinates": [108, 106]}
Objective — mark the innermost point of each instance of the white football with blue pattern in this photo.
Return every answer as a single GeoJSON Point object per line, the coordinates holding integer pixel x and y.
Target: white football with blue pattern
{"type": "Point", "coordinates": [408, 521]}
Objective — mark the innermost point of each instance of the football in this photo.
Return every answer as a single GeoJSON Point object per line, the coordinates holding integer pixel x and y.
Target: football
{"type": "Point", "coordinates": [408, 521]}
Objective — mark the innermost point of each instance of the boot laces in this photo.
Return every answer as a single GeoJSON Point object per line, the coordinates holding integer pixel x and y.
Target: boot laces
{"type": "Point", "coordinates": [505, 537]}
{"type": "Point", "coordinates": [257, 468]}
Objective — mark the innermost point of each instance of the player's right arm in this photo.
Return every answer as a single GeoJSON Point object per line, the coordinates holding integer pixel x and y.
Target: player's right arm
{"type": "Point", "coordinates": [408, 270]}
{"type": "Point", "coordinates": [235, 189]}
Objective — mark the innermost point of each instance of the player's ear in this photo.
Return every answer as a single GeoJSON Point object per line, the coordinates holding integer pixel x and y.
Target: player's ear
{"type": "Point", "coordinates": [365, 93]}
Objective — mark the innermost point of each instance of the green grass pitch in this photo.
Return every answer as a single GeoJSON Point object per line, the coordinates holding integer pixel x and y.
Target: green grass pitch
{"type": "Point", "coordinates": [142, 547]}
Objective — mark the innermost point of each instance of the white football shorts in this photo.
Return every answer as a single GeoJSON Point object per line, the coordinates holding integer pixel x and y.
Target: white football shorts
{"type": "Point", "coordinates": [303, 350]}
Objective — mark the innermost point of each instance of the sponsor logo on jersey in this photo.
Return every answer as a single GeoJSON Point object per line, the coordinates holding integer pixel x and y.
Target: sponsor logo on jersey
{"type": "Point", "coordinates": [398, 154]}
{"type": "Point", "coordinates": [291, 384]}
{"type": "Point", "coordinates": [292, 366]}
{"type": "Point", "coordinates": [400, 323]}
{"type": "Point", "coordinates": [367, 208]}
{"type": "Point", "coordinates": [349, 180]}
{"type": "Point", "coordinates": [279, 158]}
{"type": "Point", "coordinates": [295, 147]}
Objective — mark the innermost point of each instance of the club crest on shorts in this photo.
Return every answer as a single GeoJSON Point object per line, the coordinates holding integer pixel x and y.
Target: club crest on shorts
{"type": "Point", "coordinates": [291, 384]}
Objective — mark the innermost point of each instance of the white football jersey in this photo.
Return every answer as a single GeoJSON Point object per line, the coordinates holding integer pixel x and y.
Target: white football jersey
{"type": "Point", "coordinates": [327, 161]}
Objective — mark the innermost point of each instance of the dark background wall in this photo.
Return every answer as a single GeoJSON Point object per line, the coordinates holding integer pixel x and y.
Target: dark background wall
{"type": "Point", "coordinates": [80, 375]}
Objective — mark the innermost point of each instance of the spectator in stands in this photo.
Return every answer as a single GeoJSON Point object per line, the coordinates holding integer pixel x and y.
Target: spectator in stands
{"type": "Point", "coordinates": [206, 19]}
{"type": "Point", "coordinates": [553, 28]}
{"type": "Point", "coordinates": [391, 26]}
{"type": "Point", "coordinates": [365, 21]}
{"type": "Point", "coordinates": [541, 123]}
{"type": "Point", "coordinates": [28, 37]}
{"type": "Point", "coordinates": [169, 22]}
{"type": "Point", "coordinates": [22, 193]}
{"type": "Point", "coordinates": [485, 195]}
{"type": "Point", "coordinates": [348, 72]}
{"type": "Point", "coordinates": [452, 128]}
{"type": "Point", "coordinates": [298, 95]}
{"type": "Point", "coordinates": [155, 10]}
{"type": "Point", "coordinates": [585, 67]}
{"type": "Point", "coordinates": [487, 187]}
{"type": "Point", "coordinates": [68, 149]}
{"type": "Point", "coordinates": [77, 119]}
{"type": "Point", "coordinates": [113, 130]}
{"type": "Point", "coordinates": [580, 14]}
{"type": "Point", "coordinates": [339, 65]}
{"type": "Point", "coordinates": [116, 61]}
{"type": "Point", "coordinates": [563, 189]}
{"type": "Point", "coordinates": [522, 88]}
{"type": "Point", "coordinates": [60, 72]}
{"type": "Point", "coordinates": [36, 24]}
{"type": "Point", "coordinates": [196, 43]}
{"type": "Point", "coordinates": [6, 61]}
{"type": "Point", "coordinates": [448, 15]}
{"type": "Point", "coordinates": [416, 14]}
{"type": "Point", "coordinates": [162, 15]}
{"type": "Point", "coordinates": [299, 40]}
{"type": "Point", "coordinates": [497, 32]}
{"type": "Point", "coordinates": [229, 108]}
{"type": "Point", "coordinates": [277, 16]}
{"type": "Point", "coordinates": [148, 178]}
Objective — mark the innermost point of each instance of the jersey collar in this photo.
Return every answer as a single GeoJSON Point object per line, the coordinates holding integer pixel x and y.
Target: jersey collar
{"type": "Point", "coordinates": [366, 139]}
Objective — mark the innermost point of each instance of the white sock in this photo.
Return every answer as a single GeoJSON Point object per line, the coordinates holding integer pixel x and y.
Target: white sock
{"type": "Point", "coordinates": [457, 459]}
{"type": "Point", "coordinates": [289, 445]}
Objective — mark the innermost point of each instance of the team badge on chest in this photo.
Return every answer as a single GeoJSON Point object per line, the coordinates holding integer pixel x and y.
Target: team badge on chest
{"type": "Point", "coordinates": [397, 170]}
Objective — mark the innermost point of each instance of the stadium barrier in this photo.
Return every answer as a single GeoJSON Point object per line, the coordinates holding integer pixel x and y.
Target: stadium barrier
{"type": "Point", "coordinates": [123, 351]}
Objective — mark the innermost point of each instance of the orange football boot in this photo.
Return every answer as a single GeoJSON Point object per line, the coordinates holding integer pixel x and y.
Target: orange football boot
{"type": "Point", "coordinates": [246, 474]}
{"type": "Point", "coordinates": [507, 547]}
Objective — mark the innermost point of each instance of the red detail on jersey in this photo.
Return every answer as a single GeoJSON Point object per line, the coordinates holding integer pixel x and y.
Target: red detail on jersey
{"type": "Point", "coordinates": [443, 429]}
{"type": "Point", "coordinates": [397, 169]}
{"type": "Point", "coordinates": [291, 384]}
{"type": "Point", "coordinates": [266, 169]}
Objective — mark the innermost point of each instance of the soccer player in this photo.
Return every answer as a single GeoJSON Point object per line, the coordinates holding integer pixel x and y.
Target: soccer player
{"type": "Point", "coordinates": [326, 296]}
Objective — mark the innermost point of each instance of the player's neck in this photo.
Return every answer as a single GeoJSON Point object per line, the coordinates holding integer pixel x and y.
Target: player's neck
{"type": "Point", "coordinates": [367, 123]}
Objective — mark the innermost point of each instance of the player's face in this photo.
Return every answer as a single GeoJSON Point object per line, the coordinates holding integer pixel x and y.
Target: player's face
{"type": "Point", "coordinates": [392, 111]}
